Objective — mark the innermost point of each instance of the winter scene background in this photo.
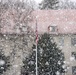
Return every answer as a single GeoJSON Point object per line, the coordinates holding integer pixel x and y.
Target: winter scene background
{"type": "Point", "coordinates": [37, 37]}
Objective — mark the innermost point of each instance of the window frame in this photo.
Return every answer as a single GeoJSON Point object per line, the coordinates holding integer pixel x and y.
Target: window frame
{"type": "Point", "coordinates": [61, 41]}
{"type": "Point", "coordinates": [52, 28]}
{"type": "Point", "coordinates": [73, 54]}
{"type": "Point", "coordinates": [73, 41]}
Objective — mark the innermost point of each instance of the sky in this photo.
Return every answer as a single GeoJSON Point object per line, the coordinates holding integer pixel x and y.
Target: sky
{"type": "Point", "coordinates": [73, 0]}
{"type": "Point", "coordinates": [38, 1]}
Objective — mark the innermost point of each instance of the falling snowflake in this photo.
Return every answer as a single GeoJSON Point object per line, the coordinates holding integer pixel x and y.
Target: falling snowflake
{"type": "Point", "coordinates": [2, 62]}
{"type": "Point", "coordinates": [47, 63]}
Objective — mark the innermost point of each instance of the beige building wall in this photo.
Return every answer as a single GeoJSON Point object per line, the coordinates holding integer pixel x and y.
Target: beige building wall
{"type": "Point", "coordinates": [65, 44]}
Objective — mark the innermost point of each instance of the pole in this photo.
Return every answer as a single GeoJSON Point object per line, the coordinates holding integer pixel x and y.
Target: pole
{"type": "Point", "coordinates": [36, 47]}
{"type": "Point", "coordinates": [36, 60]}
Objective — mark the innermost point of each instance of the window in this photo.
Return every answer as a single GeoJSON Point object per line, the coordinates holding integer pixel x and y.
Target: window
{"type": "Point", "coordinates": [73, 54]}
{"type": "Point", "coordinates": [61, 41]}
{"type": "Point", "coordinates": [73, 41]}
{"type": "Point", "coordinates": [52, 28]}
{"type": "Point", "coordinates": [73, 70]}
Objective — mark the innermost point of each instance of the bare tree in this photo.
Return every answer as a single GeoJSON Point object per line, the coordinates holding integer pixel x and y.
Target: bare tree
{"type": "Point", "coordinates": [14, 19]}
{"type": "Point", "coordinates": [67, 4]}
{"type": "Point", "coordinates": [19, 11]}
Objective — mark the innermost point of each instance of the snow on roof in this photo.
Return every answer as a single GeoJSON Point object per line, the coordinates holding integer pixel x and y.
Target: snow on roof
{"type": "Point", "coordinates": [65, 20]}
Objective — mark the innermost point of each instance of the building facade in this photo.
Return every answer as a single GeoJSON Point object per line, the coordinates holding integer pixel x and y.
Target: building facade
{"type": "Point", "coordinates": [61, 25]}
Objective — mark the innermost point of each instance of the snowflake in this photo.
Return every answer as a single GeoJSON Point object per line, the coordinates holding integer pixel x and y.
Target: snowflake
{"type": "Point", "coordinates": [2, 62]}
{"type": "Point", "coordinates": [72, 58]}
{"type": "Point", "coordinates": [47, 63]}
{"type": "Point", "coordinates": [2, 67]}
{"type": "Point", "coordinates": [15, 66]}
{"type": "Point", "coordinates": [31, 62]}
{"type": "Point", "coordinates": [59, 62]}
{"type": "Point", "coordinates": [64, 62]}
{"type": "Point", "coordinates": [63, 66]}
{"type": "Point", "coordinates": [57, 73]}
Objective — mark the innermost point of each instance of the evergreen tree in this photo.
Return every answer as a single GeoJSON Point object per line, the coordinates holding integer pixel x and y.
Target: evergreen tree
{"type": "Point", "coordinates": [49, 4]}
{"type": "Point", "coordinates": [4, 63]}
{"type": "Point", "coordinates": [50, 58]}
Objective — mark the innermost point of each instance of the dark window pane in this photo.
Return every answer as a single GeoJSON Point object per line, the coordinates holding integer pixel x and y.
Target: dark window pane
{"type": "Point", "coordinates": [74, 55]}
{"type": "Point", "coordinates": [73, 70]}
{"type": "Point", "coordinates": [73, 41]}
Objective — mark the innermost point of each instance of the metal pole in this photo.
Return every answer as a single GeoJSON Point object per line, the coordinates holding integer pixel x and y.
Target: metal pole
{"type": "Point", "coordinates": [36, 60]}
{"type": "Point", "coordinates": [36, 47]}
